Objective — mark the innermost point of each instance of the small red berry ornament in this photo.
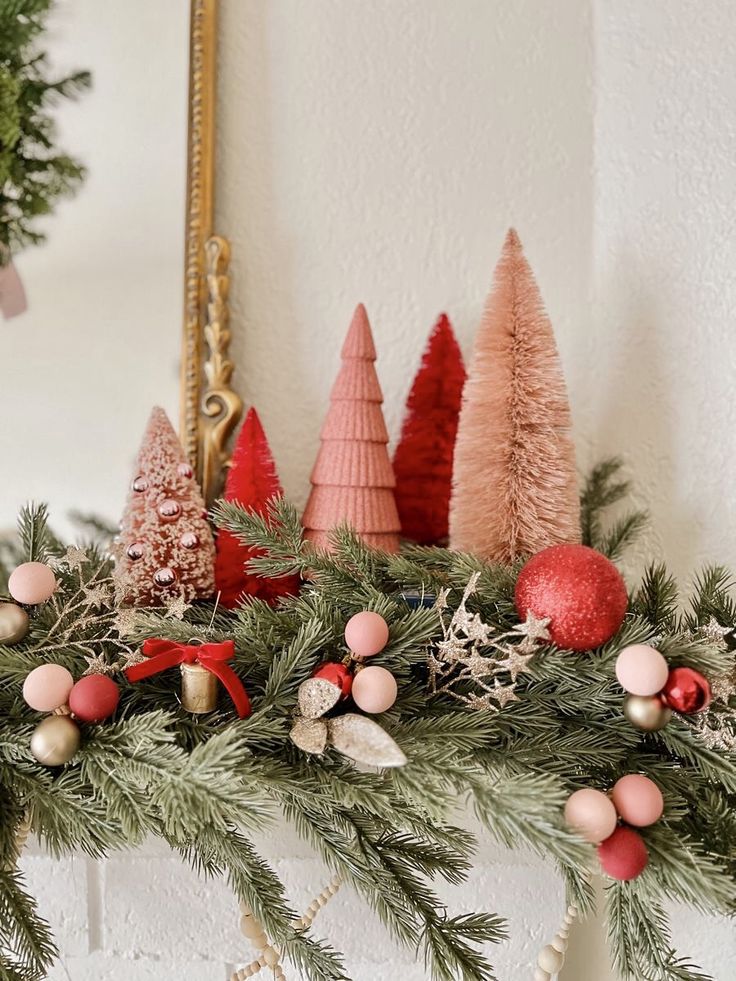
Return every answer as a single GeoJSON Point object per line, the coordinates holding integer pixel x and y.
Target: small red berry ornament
{"type": "Point", "coordinates": [337, 674]}
{"type": "Point", "coordinates": [580, 591]}
{"type": "Point", "coordinates": [94, 698]}
{"type": "Point", "coordinates": [687, 691]}
{"type": "Point", "coordinates": [624, 855]}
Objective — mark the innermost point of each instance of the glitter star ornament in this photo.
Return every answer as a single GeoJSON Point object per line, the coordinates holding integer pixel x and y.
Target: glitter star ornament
{"type": "Point", "coordinates": [74, 558]}
{"type": "Point", "coordinates": [466, 664]}
{"type": "Point", "coordinates": [165, 548]}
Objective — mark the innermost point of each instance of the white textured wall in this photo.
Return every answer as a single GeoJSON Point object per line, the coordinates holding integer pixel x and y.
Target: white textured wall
{"type": "Point", "coordinates": [376, 151]}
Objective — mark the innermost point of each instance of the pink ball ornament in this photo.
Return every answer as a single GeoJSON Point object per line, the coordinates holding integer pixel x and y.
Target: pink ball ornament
{"type": "Point", "coordinates": [374, 689]}
{"type": "Point", "coordinates": [94, 698]}
{"type": "Point", "coordinates": [624, 855]}
{"type": "Point", "coordinates": [641, 670]}
{"type": "Point", "coordinates": [638, 800]}
{"type": "Point", "coordinates": [31, 583]}
{"type": "Point", "coordinates": [47, 687]}
{"type": "Point", "coordinates": [366, 633]}
{"type": "Point", "coordinates": [591, 814]}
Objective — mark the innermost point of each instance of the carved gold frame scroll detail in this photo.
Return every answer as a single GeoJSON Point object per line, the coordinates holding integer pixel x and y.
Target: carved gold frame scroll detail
{"type": "Point", "coordinates": [210, 409]}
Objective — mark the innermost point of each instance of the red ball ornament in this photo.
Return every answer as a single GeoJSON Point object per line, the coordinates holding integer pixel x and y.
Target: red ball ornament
{"type": "Point", "coordinates": [581, 592]}
{"type": "Point", "coordinates": [687, 691]}
{"type": "Point", "coordinates": [337, 674]}
{"type": "Point", "coordinates": [94, 698]}
{"type": "Point", "coordinates": [624, 855]}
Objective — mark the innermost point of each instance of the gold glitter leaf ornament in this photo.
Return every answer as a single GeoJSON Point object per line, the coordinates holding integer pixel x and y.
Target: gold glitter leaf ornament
{"type": "Point", "coordinates": [364, 741]}
{"type": "Point", "coordinates": [317, 696]}
{"type": "Point", "coordinates": [310, 735]}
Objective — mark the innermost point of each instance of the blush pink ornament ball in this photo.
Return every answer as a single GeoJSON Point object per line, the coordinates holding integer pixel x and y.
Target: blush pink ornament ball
{"type": "Point", "coordinates": [638, 800]}
{"type": "Point", "coordinates": [31, 583]}
{"type": "Point", "coordinates": [641, 670]}
{"type": "Point", "coordinates": [591, 814]}
{"type": "Point", "coordinates": [366, 633]}
{"type": "Point", "coordinates": [47, 687]}
{"type": "Point", "coordinates": [374, 689]}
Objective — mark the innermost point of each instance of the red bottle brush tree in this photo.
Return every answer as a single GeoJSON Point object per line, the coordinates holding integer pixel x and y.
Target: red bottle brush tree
{"type": "Point", "coordinates": [514, 482]}
{"type": "Point", "coordinates": [251, 482]}
{"type": "Point", "coordinates": [423, 458]}
{"type": "Point", "coordinates": [165, 549]}
{"type": "Point", "coordinates": [353, 480]}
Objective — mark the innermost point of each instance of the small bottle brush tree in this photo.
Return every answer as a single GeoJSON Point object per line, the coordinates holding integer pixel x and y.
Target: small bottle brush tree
{"type": "Point", "coordinates": [514, 482]}
{"type": "Point", "coordinates": [165, 549]}
{"type": "Point", "coordinates": [353, 481]}
{"type": "Point", "coordinates": [252, 481]}
{"type": "Point", "coordinates": [423, 458]}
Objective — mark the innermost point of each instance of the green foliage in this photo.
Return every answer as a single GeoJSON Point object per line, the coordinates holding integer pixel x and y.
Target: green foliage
{"type": "Point", "coordinates": [33, 174]}
{"type": "Point", "coordinates": [205, 784]}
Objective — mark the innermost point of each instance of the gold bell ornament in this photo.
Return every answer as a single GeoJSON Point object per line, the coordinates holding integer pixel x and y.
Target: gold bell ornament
{"type": "Point", "coordinates": [201, 665]}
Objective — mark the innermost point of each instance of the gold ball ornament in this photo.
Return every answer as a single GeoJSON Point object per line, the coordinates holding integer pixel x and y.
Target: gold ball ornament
{"type": "Point", "coordinates": [647, 712]}
{"type": "Point", "coordinates": [55, 740]}
{"type": "Point", "coordinates": [14, 623]}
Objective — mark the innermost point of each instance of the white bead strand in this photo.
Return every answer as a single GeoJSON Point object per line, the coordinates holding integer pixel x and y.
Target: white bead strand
{"type": "Point", "coordinates": [551, 958]}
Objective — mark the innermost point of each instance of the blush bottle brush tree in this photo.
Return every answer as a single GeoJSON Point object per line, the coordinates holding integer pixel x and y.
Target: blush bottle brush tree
{"type": "Point", "coordinates": [353, 480]}
{"type": "Point", "coordinates": [514, 482]}
{"type": "Point", "coordinates": [165, 548]}
{"type": "Point", "coordinates": [252, 481]}
{"type": "Point", "coordinates": [424, 455]}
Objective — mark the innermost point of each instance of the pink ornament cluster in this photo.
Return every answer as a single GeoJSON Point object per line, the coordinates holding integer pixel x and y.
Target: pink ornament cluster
{"type": "Point", "coordinates": [635, 800]}
{"type": "Point", "coordinates": [372, 687]}
{"type": "Point", "coordinates": [51, 688]}
{"type": "Point", "coordinates": [643, 672]}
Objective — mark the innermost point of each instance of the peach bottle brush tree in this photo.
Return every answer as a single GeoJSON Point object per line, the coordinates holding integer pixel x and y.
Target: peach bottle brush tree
{"type": "Point", "coordinates": [515, 486]}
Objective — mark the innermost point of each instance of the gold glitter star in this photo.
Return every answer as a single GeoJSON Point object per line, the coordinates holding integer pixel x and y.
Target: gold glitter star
{"type": "Point", "coordinates": [74, 558]}
{"type": "Point", "coordinates": [98, 665]}
{"type": "Point", "coordinates": [504, 694]}
{"type": "Point", "coordinates": [97, 594]}
{"type": "Point", "coordinates": [176, 607]}
{"type": "Point", "coordinates": [715, 633]}
{"type": "Point", "coordinates": [131, 658]}
{"type": "Point", "coordinates": [534, 629]}
{"type": "Point", "coordinates": [126, 621]}
{"type": "Point", "coordinates": [515, 663]}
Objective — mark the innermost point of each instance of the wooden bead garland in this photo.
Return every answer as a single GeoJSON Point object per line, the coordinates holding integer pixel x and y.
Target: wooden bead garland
{"type": "Point", "coordinates": [551, 958]}
{"type": "Point", "coordinates": [268, 955]}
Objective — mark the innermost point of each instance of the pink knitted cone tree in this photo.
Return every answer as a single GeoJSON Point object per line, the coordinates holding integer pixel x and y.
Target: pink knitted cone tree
{"type": "Point", "coordinates": [353, 481]}
{"type": "Point", "coordinates": [514, 480]}
{"type": "Point", "coordinates": [165, 548]}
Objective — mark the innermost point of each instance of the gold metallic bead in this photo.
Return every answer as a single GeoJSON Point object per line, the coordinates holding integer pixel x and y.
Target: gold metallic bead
{"type": "Point", "coordinates": [55, 740]}
{"type": "Point", "coordinates": [647, 712]}
{"type": "Point", "coordinates": [198, 689]}
{"type": "Point", "coordinates": [14, 623]}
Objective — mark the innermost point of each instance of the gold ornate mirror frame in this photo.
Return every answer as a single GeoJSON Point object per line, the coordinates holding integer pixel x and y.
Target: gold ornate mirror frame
{"type": "Point", "coordinates": [210, 409]}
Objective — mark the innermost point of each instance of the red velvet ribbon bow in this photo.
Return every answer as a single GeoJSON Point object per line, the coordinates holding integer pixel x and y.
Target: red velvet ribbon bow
{"type": "Point", "coordinates": [164, 654]}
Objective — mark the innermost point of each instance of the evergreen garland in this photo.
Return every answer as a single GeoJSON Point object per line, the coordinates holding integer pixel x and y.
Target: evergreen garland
{"type": "Point", "coordinates": [205, 784]}
{"type": "Point", "coordinates": [33, 173]}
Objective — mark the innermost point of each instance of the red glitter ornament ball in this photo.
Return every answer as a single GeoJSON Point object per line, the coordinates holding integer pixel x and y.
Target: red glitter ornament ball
{"type": "Point", "coordinates": [94, 698]}
{"type": "Point", "coordinates": [581, 592]}
{"type": "Point", "coordinates": [336, 673]}
{"type": "Point", "coordinates": [687, 691]}
{"type": "Point", "coordinates": [624, 855]}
